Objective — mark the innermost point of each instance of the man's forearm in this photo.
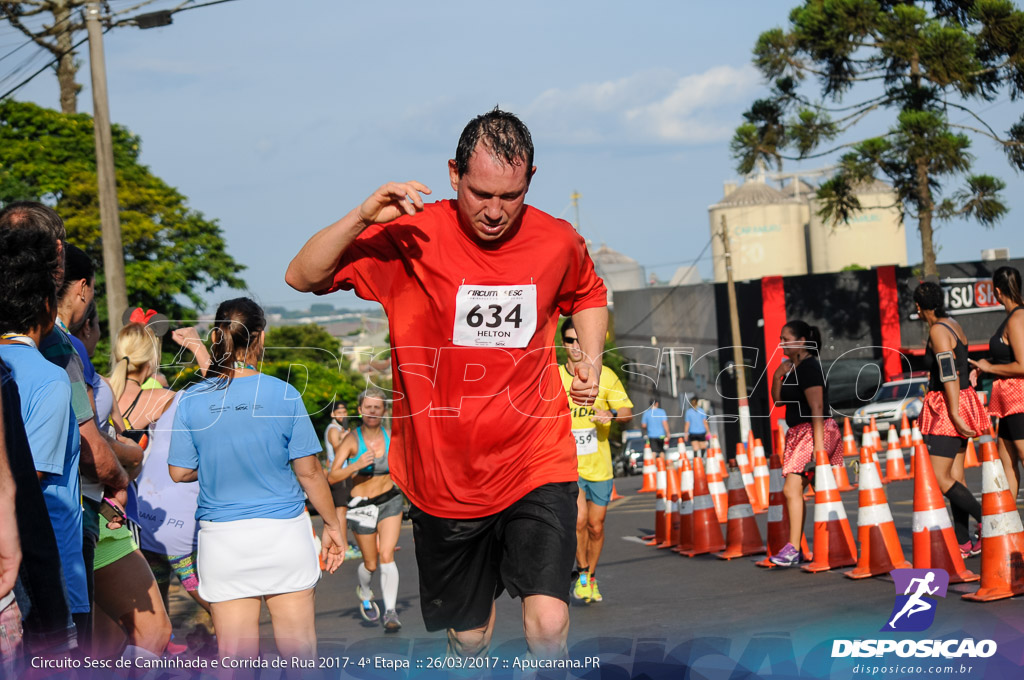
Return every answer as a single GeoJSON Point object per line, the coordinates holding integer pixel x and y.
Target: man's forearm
{"type": "Point", "coordinates": [591, 327]}
{"type": "Point", "coordinates": [98, 460]}
{"type": "Point", "coordinates": [313, 268]}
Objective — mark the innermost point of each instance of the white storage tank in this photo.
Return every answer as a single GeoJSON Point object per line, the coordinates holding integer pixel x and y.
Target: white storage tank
{"type": "Point", "coordinates": [874, 235]}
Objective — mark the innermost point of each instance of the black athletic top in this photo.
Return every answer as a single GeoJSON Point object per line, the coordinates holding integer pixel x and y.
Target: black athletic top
{"type": "Point", "coordinates": [1000, 352]}
{"type": "Point", "coordinates": [963, 369]}
{"type": "Point", "coordinates": [806, 374]}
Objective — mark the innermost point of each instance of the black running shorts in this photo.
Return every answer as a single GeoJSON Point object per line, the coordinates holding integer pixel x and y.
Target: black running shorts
{"type": "Point", "coordinates": [464, 564]}
{"type": "Point", "coordinates": [1012, 427]}
{"type": "Point", "coordinates": [943, 446]}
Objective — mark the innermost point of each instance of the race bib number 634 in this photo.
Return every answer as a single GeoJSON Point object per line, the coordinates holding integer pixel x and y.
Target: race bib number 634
{"type": "Point", "coordinates": [495, 316]}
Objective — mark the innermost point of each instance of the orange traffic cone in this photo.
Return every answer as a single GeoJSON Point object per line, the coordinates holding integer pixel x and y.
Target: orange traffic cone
{"type": "Point", "coordinates": [1002, 535]}
{"type": "Point", "coordinates": [935, 545]}
{"type": "Point", "coordinates": [915, 439]}
{"type": "Point", "coordinates": [895, 470]}
{"type": "Point", "coordinates": [615, 494]}
{"type": "Point", "coordinates": [671, 519]}
{"type": "Point", "coordinates": [833, 540]}
{"type": "Point", "coordinates": [849, 444]}
{"type": "Point", "coordinates": [778, 515]}
{"type": "Point", "coordinates": [876, 437]}
{"type": "Point", "coordinates": [660, 504]}
{"type": "Point", "coordinates": [707, 532]}
{"type": "Point", "coordinates": [761, 477]}
{"type": "Point", "coordinates": [319, 549]}
{"type": "Point", "coordinates": [842, 477]}
{"type": "Point", "coordinates": [971, 456]}
{"type": "Point", "coordinates": [716, 487]}
{"type": "Point", "coordinates": [650, 472]}
{"type": "Point", "coordinates": [742, 535]}
{"type": "Point", "coordinates": [746, 474]}
{"type": "Point", "coordinates": [685, 513]}
{"type": "Point", "coordinates": [867, 440]}
{"type": "Point", "coordinates": [880, 549]}
{"type": "Point", "coordinates": [906, 436]}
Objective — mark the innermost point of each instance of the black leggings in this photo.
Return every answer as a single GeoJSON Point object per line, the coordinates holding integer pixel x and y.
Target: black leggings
{"type": "Point", "coordinates": [964, 506]}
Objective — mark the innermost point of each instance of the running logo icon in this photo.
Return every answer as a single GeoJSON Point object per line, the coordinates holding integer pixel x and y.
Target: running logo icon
{"type": "Point", "coordinates": [914, 610]}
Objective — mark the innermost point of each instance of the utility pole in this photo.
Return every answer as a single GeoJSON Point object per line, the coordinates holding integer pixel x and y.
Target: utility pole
{"type": "Point", "coordinates": [575, 196]}
{"type": "Point", "coordinates": [737, 350]}
{"type": "Point", "coordinates": [110, 220]}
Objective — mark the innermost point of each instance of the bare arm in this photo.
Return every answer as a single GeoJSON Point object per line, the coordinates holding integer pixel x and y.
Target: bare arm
{"type": "Point", "coordinates": [188, 338]}
{"type": "Point", "coordinates": [625, 415]}
{"type": "Point", "coordinates": [10, 545]}
{"type": "Point", "coordinates": [1015, 338]}
{"type": "Point", "coordinates": [942, 341]}
{"type": "Point", "coordinates": [311, 477]}
{"type": "Point", "coordinates": [591, 328]}
{"type": "Point", "coordinates": [339, 471]}
{"type": "Point", "coordinates": [313, 268]}
{"type": "Point", "coordinates": [98, 457]}
{"type": "Point", "coordinates": [180, 474]}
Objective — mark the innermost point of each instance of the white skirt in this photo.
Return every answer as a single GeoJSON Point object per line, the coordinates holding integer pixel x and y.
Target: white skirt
{"type": "Point", "coordinates": [256, 557]}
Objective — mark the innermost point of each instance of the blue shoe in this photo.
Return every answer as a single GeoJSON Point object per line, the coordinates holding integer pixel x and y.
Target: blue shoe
{"type": "Point", "coordinates": [352, 552]}
{"type": "Point", "coordinates": [789, 556]}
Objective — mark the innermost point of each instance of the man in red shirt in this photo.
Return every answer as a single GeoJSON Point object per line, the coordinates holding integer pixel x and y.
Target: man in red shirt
{"type": "Point", "coordinates": [482, 446]}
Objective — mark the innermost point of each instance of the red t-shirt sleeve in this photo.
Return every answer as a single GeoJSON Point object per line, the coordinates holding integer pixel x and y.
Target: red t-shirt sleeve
{"type": "Point", "coordinates": [368, 265]}
{"type": "Point", "coordinates": [581, 288]}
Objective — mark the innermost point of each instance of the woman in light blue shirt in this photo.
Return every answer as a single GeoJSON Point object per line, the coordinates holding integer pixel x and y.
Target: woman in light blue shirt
{"type": "Point", "coordinates": [248, 441]}
{"type": "Point", "coordinates": [696, 428]}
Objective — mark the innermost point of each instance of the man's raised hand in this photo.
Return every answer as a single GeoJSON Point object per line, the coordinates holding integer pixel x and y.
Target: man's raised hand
{"type": "Point", "coordinates": [391, 201]}
{"type": "Point", "coordinates": [586, 382]}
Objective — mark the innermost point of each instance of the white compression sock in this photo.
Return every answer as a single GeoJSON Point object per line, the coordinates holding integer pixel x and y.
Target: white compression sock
{"type": "Point", "coordinates": [389, 584]}
{"type": "Point", "coordinates": [364, 581]}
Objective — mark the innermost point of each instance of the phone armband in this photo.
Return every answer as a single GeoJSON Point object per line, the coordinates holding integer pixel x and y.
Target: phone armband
{"type": "Point", "coordinates": [947, 366]}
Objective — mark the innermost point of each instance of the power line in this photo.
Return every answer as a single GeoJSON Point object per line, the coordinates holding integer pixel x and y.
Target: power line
{"type": "Point", "coordinates": [668, 294]}
{"type": "Point", "coordinates": [50, 63]}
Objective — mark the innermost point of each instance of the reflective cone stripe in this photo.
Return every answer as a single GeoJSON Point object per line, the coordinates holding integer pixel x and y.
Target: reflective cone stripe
{"type": "Point", "coordinates": [742, 535]}
{"type": "Point", "coordinates": [833, 540]}
{"type": "Point", "coordinates": [671, 519]}
{"type": "Point", "coordinates": [707, 532]}
{"type": "Point", "coordinates": [906, 438]}
{"type": "Point", "coordinates": [880, 549]}
{"type": "Point", "coordinates": [683, 451]}
{"type": "Point", "coordinates": [650, 472]}
{"type": "Point", "coordinates": [895, 470]}
{"type": "Point", "coordinates": [685, 507]}
{"type": "Point", "coordinates": [849, 444]}
{"type": "Point", "coordinates": [971, 456]}
{"type": "Point", "coordinates": [935, 545]}
{"type": "Point", "coordinates": [660, 504]}
{"type": "Point", "coordinates": [842, 477]}
{"type": "Point", "coordinates": [1002, 534]}
{"type": "Point", "coordinates": [761, 478]}
{"type": "Point", "coordinates": [716, 487]}
{"type": "Point", "coordinates": [747, 475]}
{"type": "Point", "coordinates": [778, 515]}
{"type": "Point", "coordinates": [867, 441]}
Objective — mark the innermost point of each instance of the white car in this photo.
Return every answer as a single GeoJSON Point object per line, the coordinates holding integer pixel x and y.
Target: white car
{"type": "Point", "coordinates": [903, 395]}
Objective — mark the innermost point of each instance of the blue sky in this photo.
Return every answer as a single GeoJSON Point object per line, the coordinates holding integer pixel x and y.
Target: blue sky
{"type": "Point", "coordinates": [277, 118]}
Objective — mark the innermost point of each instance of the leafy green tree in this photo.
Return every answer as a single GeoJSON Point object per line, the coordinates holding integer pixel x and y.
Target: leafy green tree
{"type": "Point", "coordinates": [305, 343]}
{"type": "Point", "coordinates": [172, 252]}
{"type": "Point", "coordinates": [923, 61]}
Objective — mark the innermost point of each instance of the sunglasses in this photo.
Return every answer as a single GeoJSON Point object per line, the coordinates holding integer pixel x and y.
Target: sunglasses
{"type": "Point", "coordinates": [570, 341]}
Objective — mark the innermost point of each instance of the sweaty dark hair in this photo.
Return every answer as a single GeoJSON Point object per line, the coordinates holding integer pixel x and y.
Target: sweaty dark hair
{"type": "Point", "coordinates": [32, 214]}
{"type": "Point", "coordinates": [811, 334]}
{"type": "Point", "coordinates": [1007, 280]}
{"type": "Point", "coordinates": [77, 266]}
{"type": "Point", "coordinates": [27, 260]}
{"type": "Point", "coordinates": [239, 321]}
{"type": "Point", "coordinates": [929, 297]}
{"type": "Point", "coordinates": [567, 326]}
{"type": "Point", "coordinates": [503, 134]}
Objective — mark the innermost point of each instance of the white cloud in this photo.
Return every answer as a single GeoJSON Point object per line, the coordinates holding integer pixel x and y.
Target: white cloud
{"type": "Point", "coordinates": [655, 106]}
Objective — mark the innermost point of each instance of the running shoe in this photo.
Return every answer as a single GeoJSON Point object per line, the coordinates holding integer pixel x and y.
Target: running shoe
{"type": "Point", "coordinates": [595, 594]}
{"type": "Point", "coordinates": [581, 590]}
{"type": "Point", "coordinates": [391, 622]}
{"type": "Point", "coordinates": [789, 556]}
{"type": "Point", "coordinates": [367, 607]}
{"type": "Point", "coordinates": [352, 552]}
{"type": "Point", "coordinates": [976, 546]}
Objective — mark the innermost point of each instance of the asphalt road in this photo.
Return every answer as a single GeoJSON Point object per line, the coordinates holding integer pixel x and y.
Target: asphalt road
{"type": "Point", "coordinates": [661, 610]}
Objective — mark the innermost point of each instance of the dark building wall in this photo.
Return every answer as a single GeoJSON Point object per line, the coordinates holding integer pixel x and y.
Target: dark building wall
{"type": "Point", "coordinates": [844, 305]}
